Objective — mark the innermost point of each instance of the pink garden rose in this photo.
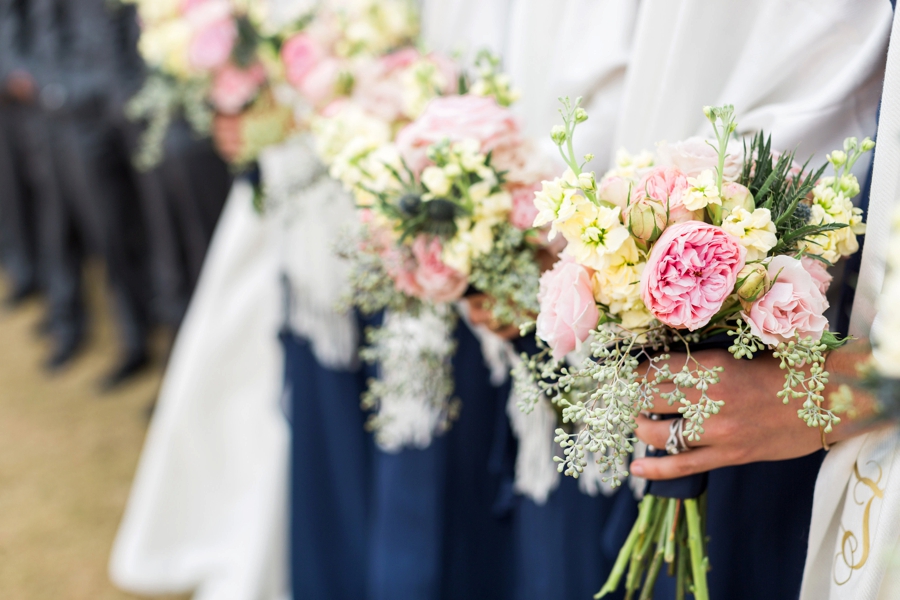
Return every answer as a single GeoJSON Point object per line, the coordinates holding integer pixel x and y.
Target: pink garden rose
{"type": "Point", "coordinates": [427, 276]}
{"type": "Point", "coordinates": [666, 185]}
{"type": "Point", "coordinates": [793, 308]}
{"type": "Point", "coordinates": [211, 46]}
{"type": "Point", "coordinates": [523, 209]}
{"type": "Point", "coordinates": [377, 86]}
{"type": "Point", "coordinates": [300, 55]}
{"type": "Point", "coordinates": [694, 155]}
{"type": "Point", "coordinates": [568, 310]}
{"type": "Point", "coordinates": [691, 270]}
{"type": "Point", "coordinates": [458, 118]}
{"type": "Point", "coordinates": [234, 88]}
{"type": "Point", "coordinates": [819, 272]}
{"type": "Point", "coordinates": [319, 86]}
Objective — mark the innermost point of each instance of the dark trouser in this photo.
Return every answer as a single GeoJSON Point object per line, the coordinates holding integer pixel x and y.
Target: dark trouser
{"type": "Point", "coordinates": [18, 226]}
{"type": "Point", "coordinates": [95, 204]}
{"type": "Point", "coordinates": [180, 201]}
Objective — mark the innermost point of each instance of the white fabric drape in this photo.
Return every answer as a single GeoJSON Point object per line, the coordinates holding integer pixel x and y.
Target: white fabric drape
{"type": "Point", "coordinates": [809, 73]}
{"type": "Point", "coordinates": [207, 509]}
{"type": "Point", "coordinates": [856, 514]}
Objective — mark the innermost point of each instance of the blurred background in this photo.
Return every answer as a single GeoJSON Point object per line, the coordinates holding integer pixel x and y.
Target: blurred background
{"type": "Point", "coordinates": [97, 264]}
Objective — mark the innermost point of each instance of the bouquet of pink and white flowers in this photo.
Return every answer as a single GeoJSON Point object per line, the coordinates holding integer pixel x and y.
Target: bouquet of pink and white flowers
{"type": "Point", "coordinates": [209, 56]}
{"type": "Point", "coordinates": [700, 244]}
{"type": "Point", "coordinates": [445, 207]}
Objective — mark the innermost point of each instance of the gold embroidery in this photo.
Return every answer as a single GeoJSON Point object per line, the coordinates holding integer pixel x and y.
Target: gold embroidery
{"type": "Point", "coordinates": [849, 542]}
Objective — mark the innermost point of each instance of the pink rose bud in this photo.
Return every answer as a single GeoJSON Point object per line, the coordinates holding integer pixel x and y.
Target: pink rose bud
{"type": "Point", "coordinates": [646, 219]}
{"type": "Point", "coordinates": [752, 283]}
{"type": "Point", "coordinates": [735, 195]}
{"type": "Point", "coordinates": [617, 190]}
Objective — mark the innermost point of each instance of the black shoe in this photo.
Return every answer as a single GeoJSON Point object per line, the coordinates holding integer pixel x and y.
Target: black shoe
{"type": "Point", "coordinates": [133, 364]}
{"type": "Point", "coordinates": [43, 328]}
{"type": "Point", "coordinates": [19, 295]}
{"type": "Point", "coordinates": [65, 351]}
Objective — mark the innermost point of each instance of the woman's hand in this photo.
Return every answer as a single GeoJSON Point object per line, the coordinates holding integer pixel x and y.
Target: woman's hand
{"type": "Point", "coordinates": [480, 313]}
{"type": "Point", "coordinates": [753, 425]}
{"type": "Point", "coordinates": [227, 136]}
{"type": "Point", "coordinates": [20, 85]}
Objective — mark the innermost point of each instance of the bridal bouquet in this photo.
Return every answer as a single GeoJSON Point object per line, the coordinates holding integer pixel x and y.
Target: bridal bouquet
{"type": "Point", "coordinates": [445, 207]}
{"type": "Point", "coordinates": [209, 56]}
{"type": "Point", "coordinates": [698, 244]}
{"type": "Point", "coordinates": [327, 60]}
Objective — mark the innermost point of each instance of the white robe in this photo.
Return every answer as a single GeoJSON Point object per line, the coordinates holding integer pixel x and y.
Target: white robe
{"type": "Point", "coordinates": [808, 73]}
{"type": "Point", "coordinates": [207, 509]}
{"type": "Point", "coordinates": [855, 533]}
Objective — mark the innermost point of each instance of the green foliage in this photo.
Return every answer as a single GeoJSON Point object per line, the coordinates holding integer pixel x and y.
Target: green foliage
{"type": "Point", "coordinates": [774, 186]}
{"type": "Point", "coordinates": [805, 378]}
{"type": "Point", "coordinates": [510, 275]}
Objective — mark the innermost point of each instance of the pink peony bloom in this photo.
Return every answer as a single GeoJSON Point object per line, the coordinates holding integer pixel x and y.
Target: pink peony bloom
{"type": "Point", "coordinates": [666, 185]}
{"type": "Point", "coordinates": [427, 276]}
{"type": "Point", "coordinates": [691, 270]}
{"type": "Point", "coordinates": [378, 88]}
{"type": "Point", "coordinates": [819, 272]}
{"type": "Point", "coordinates": [458, 118]}
{"type": "Point", "coordinates": [234, 88]}
{"type": "Point", "coordinates": [694, 155]}
{"type": "Point", "coordinates": [793, 308]}
{"type": "Point", "coordinates": [523, 209]}
{"type": "Point", "coordinates": [300, 55]}
{"type": "Point", "coordinates": [211, 46]}
{"type": "Point", "coordinates": [319, 86]}
{"type": "Point", "coordinates": [568, 310]}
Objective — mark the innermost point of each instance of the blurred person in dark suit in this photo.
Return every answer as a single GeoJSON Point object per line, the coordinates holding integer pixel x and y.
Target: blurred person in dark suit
{"type": "Point", "coordinates": [181, 198]}
{"type": "Point", "coordinates": [91, 205]}
{"type": "Point", "coordinates": [18, 162]}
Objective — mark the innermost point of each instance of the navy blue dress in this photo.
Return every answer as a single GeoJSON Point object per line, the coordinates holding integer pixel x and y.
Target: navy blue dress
{"type": "Point", "coordinates": [330, 477]}
{"type": "Point", "coordinates": [435, 533]}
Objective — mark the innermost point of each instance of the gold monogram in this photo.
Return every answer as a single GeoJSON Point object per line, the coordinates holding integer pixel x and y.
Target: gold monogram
{"type": "Point", "coordinates": [849, 542]}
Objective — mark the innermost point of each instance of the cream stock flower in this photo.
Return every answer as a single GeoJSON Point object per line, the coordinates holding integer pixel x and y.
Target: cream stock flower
{"type": "Point", "coordinates": [554, 203]}
{"type": "Point", "coordinates": [617, 284]}
{"type": "Point", "coordinates": [583, 181]}
{"type": "Point", "coordinates": [593, 232]}
{"type": "Point", "coordinates": [166, 47]}
{"type": "Point", "coordinates": [755, 230]}
{"type": "Point", "coordinates": [494, 208]}
{"type": "Point", "coordinates": [834, 207]}
{"type": "Point", "coordinates": [702, 192]}
{"type": "Point", "coordinates": [630, 166]}
{"type": "Point", "coordinates": [436, 180]}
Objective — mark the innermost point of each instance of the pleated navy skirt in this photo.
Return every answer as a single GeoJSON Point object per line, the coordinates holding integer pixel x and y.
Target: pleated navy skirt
{"type": "Point", "coordinates": [435, 534]}
{"type": "Point", "coordinates": [331, 466]}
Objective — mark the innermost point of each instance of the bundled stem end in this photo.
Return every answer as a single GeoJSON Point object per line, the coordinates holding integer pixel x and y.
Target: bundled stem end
{"type": "Point", "coordinates": [667, 531]}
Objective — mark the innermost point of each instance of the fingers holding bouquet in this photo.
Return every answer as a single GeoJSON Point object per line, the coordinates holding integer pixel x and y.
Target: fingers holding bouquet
{"type": "Point", "coordinates": [749, 427]}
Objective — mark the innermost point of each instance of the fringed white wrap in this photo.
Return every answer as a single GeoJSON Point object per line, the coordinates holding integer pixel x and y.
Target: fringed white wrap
{"type": "Point", "coordinates": [413, 394]}
{"type": "Point", "coordinates": [313, 211]}
{"type": "Point", "coordinates": [536, 473]}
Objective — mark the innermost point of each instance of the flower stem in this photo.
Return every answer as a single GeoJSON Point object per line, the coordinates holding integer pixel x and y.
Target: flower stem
{"type": "Point", "coordinates": [656, 563]}
{"type": "Point", "coordinates": [695, 543]}
{"type": "Point", "coordinates": [674, 510]}
{"type": "Point", "coordinates": [625, 553]}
